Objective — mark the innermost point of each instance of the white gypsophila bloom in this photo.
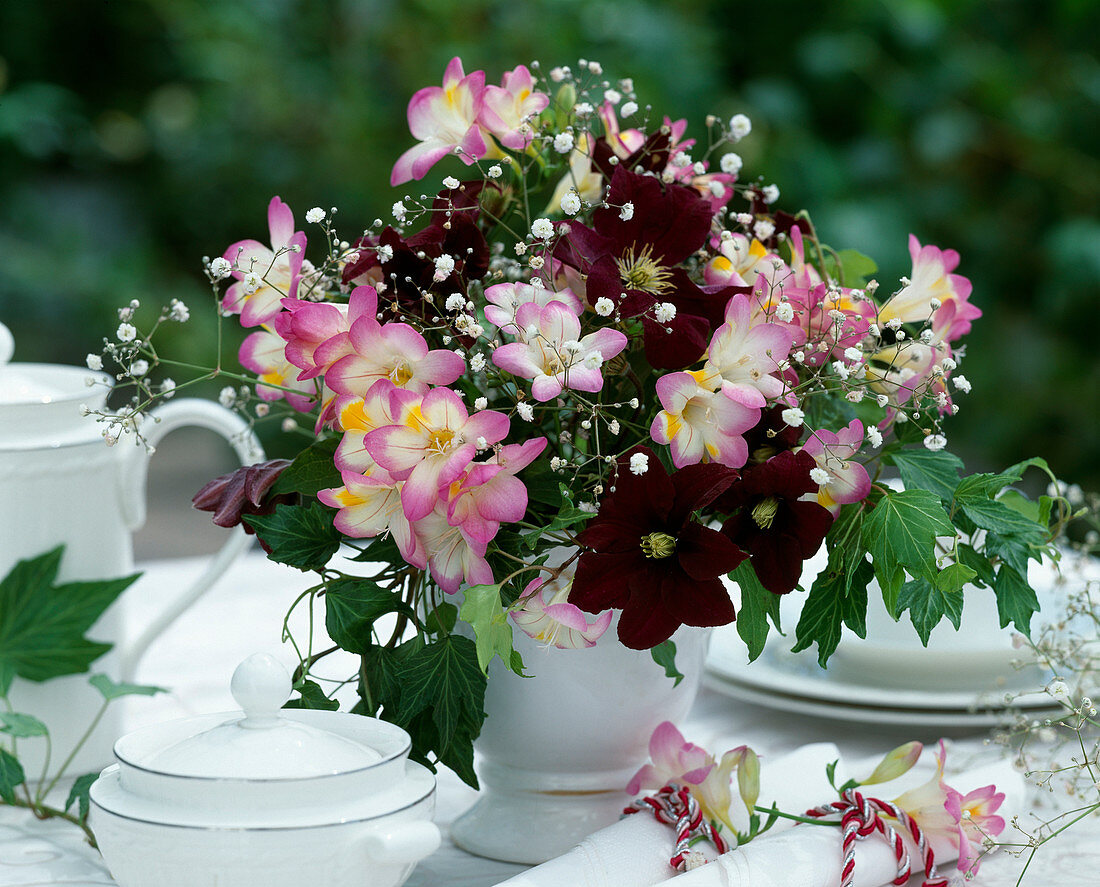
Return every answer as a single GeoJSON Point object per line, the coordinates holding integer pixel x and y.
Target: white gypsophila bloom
{"type": "Point", "coordinates": [315, 215]}
{"type": "Point", "coordinates": [178, 311]}
{"type": "Point", "coordinates": [717, 189]}
{"type": "Point", "coordinates": [613, 426]}
{"type": "Point", "coordinates": [451, 182]}
{"type": "Point", "coordinates": [571, 347]}
{"type": "Point", "coordinates": [633, 402]}
{"type": "Point", "coordinates": [744, 219]}
{"type": "Point", "coordinates": [740, 126]}
{"type": "Point", "coordinates": [481, 403]}
{"type": "Point", "coordinates": [962, 383]}
{"type": "Point", "coordinates": [628, 109]}
{"type": "Point", "coordinates": [604, 306]}
{"type": "Point", "coordinates": [399, 211]}
{"type": "Point", "coordinates": [570, 203]}
{"type": "Point", "coordinates": [763, 229]}
{"type": "Point", "coordinates": [563, 142]}
{"type": "Point", "coordinates": [894, 323]}
{"type": "Point", "coordinates": [494, 171]}
{"type": "Point", "coordinates": [385, 253]}
{"type": "Point", "coordinates": [874, 436]}
{"type": "Point", "coordinates": [556, 463]}
{"type": "Point", "coordinates": [252, 282]}
{"type": "Point", "coordinates": [793, 416]}
{"type": "Point", "coordinates": [557, 75]}
{"type": "Point", "coordinates": [586, 424]}
{"type": "Point", "coordinates": [94, 362]}
{"type": "Point", "coordinates": [444, 265]}
{"type": "Point", "coordinates": [227, 396]}
{"type": "Point", "coordinates": [481, 443]}
{"type": "Point", "coordinates": [731, 163]}
{"type": "Point", "coordinates": [926, 336]}
{"type": "Point", "coordinates": [853, 354]}
{"type": "Point", "coordinates": [126, 332]}
{"type": "Point", "coordinates": [639, 463]}
{"type": "Point", "coordinates": [627, 212]}
{"type": "Point", "coordinates": [139, 368]}
{"type": "Point", "coordinates": [881, 399]}
{"type": "Point", "coordinates": [536, 263]}
{"type": "Point", "coordinates": [681, 159]}
{"type": "Point", "coordinates": [613, 96]}
{"type": "Point", "coordinates": [1059, 690]}
{"type": "Point", "coordinates": [799, 357]}
{"type": "Point", "coordinates": [771, 193]}
{"type": "Point", "coordinates": [593, 361]}
{"type": "Point", "coordinates": [784, 312]}
{"type": "Point", "coordinates": [455, 302]}
{"type": "Point", "coordinates": [543, 229]}
{"type": "Point", "coordinates": [948, 364]}
{"type": "Point", "coordinates": [288, 424]}
{"type": "Point", "coordinates": [840, 369]}
{"type": "Point", "coordinates": [901, 417]}
{"type": "Point", "coordinates": [664, 312]}
{"type": "Point", "coordinates": [820, 476]}
{"type": "Point", "coordinates": [168, 387]}
{"type": "Point", "coordinates": [262, 409]}
{"type": "Point", "coordinates": [477, 362]}
{"type": "Point", "coordinates": [935, 442]}
{"type": "Point", "coordinates": [590, 507]}
{"type": "Point", "coordinates": [526, 411]}
{"type": "Point", "coordinates": [900, 336]}
{"type": "Point", "coordinates": [220, 268]}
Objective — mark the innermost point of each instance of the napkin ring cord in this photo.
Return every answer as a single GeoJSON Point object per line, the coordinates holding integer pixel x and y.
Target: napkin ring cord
{"type": "Point", "coordinates": [675, 805]}
{"type": "Point", "coordinates": [861, 817]}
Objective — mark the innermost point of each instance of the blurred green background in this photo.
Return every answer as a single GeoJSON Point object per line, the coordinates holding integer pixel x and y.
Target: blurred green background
{"type": "Point", "coordinates": [137, 136]}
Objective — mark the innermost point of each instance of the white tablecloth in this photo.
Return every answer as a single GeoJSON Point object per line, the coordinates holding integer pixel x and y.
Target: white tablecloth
{"type": "Point", "coordinates": [243, 614]}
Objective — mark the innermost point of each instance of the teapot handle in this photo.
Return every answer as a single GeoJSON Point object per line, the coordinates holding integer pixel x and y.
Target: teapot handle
{"type": "Point", "coordinates": [401, 843]}
{"type": "Point", "coordinates": [161, 421]}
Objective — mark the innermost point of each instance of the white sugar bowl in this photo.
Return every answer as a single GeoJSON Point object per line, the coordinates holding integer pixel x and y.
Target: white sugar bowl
{"type": "Point", "coordinates": [264, 798]}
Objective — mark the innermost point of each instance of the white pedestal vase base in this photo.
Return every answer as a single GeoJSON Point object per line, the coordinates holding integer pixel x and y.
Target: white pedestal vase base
{"type": "Point", "coordinates": [558, 748]}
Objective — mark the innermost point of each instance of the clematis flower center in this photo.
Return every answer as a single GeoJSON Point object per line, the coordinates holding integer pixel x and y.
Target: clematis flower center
{"type": "Point", "coordinates": [641, 272]}
{"type": "Point", "coordinates": [658, 545]}
{"type": "Point", "coordinates": [764, 512]}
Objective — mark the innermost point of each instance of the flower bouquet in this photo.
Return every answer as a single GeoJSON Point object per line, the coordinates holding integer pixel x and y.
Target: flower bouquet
{"type": "Point", "coordinates": [599, 370]}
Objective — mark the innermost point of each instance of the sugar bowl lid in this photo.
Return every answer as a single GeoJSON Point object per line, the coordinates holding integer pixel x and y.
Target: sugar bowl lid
{"type": "Point", "coordinates": [263, 744]}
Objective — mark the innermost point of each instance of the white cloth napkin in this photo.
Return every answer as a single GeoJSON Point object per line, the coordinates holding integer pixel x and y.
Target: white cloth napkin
{"type": "Point", "coordinates": [634, 852]}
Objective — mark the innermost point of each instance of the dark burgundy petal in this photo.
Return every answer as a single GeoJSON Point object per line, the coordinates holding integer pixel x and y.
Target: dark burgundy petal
{"type": "Point", "coordinates": [583, 247]}
{"type": "Point", "coordinates": [678, 349]}
{"type": "Point", "coordinates": [603, 580]}
{"type": "Point", "coordinates": [603, 281]}
{"type": "Point", "coordinates": [708, 604]}
{"type": "Point", "coordinates": [697, 486]}
{"type": "Point", "coordinates": [643, 626]}
{"type": "Point", "coordinates": [775, 558]}
{"type": "Point", "coordinates": [618, 532]}
{"type": "Point", "coordinates": [652, 156]}
{"type": "Point", "coordinates": [241, 492]}
{"type": "Point", "coordinates": [811, 522]}
{"type": "Point", "coordinates": [706, 554]}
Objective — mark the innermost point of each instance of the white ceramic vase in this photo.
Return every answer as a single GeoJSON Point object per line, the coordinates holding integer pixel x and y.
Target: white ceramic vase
{"type": "Point", "coordinates": [558, 748]}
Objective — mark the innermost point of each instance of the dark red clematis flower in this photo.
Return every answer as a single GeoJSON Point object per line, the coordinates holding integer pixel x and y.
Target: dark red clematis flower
{"type": "Point", "coordinates": [242, 492]}
{"type": "Point", "coordinates": [635, 263]}
{"type": "Point", "coordinates": [770, 436]}
{"type": "Point", "coordinates": [650, 559]}
{"type": "Point", "coordinates": [772, 523]}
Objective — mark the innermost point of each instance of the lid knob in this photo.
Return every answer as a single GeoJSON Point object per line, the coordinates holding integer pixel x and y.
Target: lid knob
{"type": "Point", "coordinates": [260, 686]}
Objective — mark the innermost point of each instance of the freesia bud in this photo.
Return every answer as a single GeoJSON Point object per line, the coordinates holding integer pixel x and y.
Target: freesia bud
{"type": "Point", "coordinates": [895, 764]}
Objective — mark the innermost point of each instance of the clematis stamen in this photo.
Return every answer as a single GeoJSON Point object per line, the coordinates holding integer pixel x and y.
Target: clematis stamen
{"type": "Point", "coordinates": [764, 512]}
{"type": "Point", "coordinates": [641, 272]}
{"type": "Point", "coordinates": [658, 545]}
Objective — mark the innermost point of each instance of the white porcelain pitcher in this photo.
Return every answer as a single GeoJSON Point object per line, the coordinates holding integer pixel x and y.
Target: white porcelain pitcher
{"type": "Point", "coordinates": [61, 484]}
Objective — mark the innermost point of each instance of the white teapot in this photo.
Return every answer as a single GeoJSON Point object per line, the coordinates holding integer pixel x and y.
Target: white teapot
{"type": "Point", "coordinates": [61, 484]}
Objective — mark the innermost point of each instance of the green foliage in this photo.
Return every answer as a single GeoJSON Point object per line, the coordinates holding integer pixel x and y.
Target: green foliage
{"type": "Point", "coordinates": [927, 603]}
{"type": "Point", "coordinates": [664, 654]}
{"type": "Point", "coordinates": [21, 726]}
{"type": "Point", "coordinates": [923, 469]}
{"type": "Point", "coordinates": [111, 690]}
{"type": "Point", "coordinates": [757, 605]}
{"type": "Point", "coordinates": [11, 776]}
{"type": "Point", "coordinates": [481, 608]}
{"type": "Point", "coordinates": [80, 794]}
{"type": "Point", "coordinates": [352, 605]}
{"type": "Point", "coordinates": [1016, 600]}
{"type": "Point", "coordinates": [42, 624]}
{"type": "Point", "coordinates": [311, 471]}
{"type": "Point", "coordinates": [568, 515]}
{"type": "Point", "coordinates": [311, 696]}
{"type": "Point", "coordinates": [834, 600]}
{"type": "Point", "coordinates": [850, 267]}
{"type": "Point", "coordinates": [301, 536]}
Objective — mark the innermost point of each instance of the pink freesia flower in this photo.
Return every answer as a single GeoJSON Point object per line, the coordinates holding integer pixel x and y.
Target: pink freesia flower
{"type": "Point", "coordinates": [431, 444]}
{"type": "Point", "coordinates": [370, 505]}
{"type": "Point", "coordinates": [508, 108]}
{"type": "Point", "coordinates": [740, 261]}
{"type": "Point", "coordinates": [701, 424]}
{"type": "Point", "coordinates": [547, 615]}
{"type": "Point", "coordinates": [553, 353]}
{"type": "Point", "coordinates": [833, 452]}
{"type": "Point", "coordinates": [358, 417]}
{"type": "Point", "coordinates": [264, 353]}
{"type": "Point", "coordinates": [316, 332]}
{"type": "Point", "coordinates": [393, 351]}
{"type": "Point", "coordinates": [489, 493]}
{"type": "Point", "coordinates": [505, 299]}
{"type": "Point", "coordinates": [676, 760]}
{"type": "Point", "coordinates": [276, 268]}
{"type": "Point", "coordinates": [746, 356]}
{"type": "Point", "coordinates": [932, 278]}
{"type": "Point", "coordinates": [443, 119]}
{"type": "Point", "coordinates": [453, 557]}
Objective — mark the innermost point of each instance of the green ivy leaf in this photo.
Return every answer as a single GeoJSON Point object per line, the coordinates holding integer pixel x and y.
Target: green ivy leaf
{"type": "Point", "coordinates": [301, 536]}
{"type": "Point", "coordinates": [757, 604]}
{"type": "Point", "coordinates": [444, 679]}
{"type": "Point", "coordinates": [983, 570]}
{"type": "Point", "coordinates": [482, 609]}
{"type": "Point", "coordinates": [834, 601]}
{"type": "Point", "coordinates": [109, 689]}
{"type": "Point", "coordinates": [922, 469]}
{"type": "Point", "coordinates": [928, 604]}
{"type": "Point", "coordinates": [80, 794]}
{"type": "Point", "coordinates": [311, 696]}
{"type": "Point", "coordinates": [22, 726]}
{"type": "Point", "coordinates": [1016, 600]}
{"type": "Point", "coordinates": [42, 624]}
{"type": "Point", "coordinates": [850, 267]}
{"type": "Point", "coordinates": [311, 471]}
{"type": "Point", "coordinates": [351, 607]}
{"type": "Point", "coordinates": [900, 531]}
{"type": "Point", "coordinates": [664, 654]}
{"type": "Point", "coordinates": [994, 515]}
{"type": "Point", "coordinates": [953, 577]}
{"type": "Point", "coordinates": [442, 619]}
{"type": "Point", "coordinates": [983, 486]}
{"type": "Point", "coordinates": [11, 776]}
{"type": "Point", "coordinates": [380, 678]}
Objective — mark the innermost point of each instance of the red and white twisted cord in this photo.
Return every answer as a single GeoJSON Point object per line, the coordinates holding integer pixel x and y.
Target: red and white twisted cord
{"type": "Point", "coordinates": [862, 817]}
{"type": "Point", "coordinates": [674, 805]}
